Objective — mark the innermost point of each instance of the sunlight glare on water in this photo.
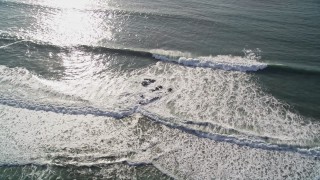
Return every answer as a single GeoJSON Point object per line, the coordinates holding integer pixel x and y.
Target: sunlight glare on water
{"type": "Point", "coordinates": [71, 4]}
{"type": "Point", "coordinates": [72, 27]}
{"type": "Point", "coordinates": [70, 23]}
{"type": "Point", "coordinates": [184, 89]}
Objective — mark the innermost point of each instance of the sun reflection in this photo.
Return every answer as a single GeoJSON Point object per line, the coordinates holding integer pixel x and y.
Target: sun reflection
{"type": "Point", "coordinates": [72, 27]}
{"type": "Point", "coordinates": [72, 24]}
{"type": "Point", "coordinates": [77, 4]}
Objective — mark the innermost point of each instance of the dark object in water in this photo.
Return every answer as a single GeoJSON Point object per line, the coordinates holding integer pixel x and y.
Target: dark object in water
{"type": "Point", "coordinates": [157, 88]}
{"type": "Point", "coordinates": [169, 89]}
{"type": "Point", "coordinates": [149, 101]}
{"type": "Point", "coordinates": [147, 82]}
{"type": "Point", "coordinates": [154, 99]}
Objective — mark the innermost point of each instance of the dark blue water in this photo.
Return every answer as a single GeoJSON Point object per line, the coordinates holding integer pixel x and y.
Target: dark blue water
{"type": "Point", "coordinates": [243, 76]}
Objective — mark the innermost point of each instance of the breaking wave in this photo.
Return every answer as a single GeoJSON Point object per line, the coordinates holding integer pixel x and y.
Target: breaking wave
{"type": "Point", "coordinates": [121, 97]}
{"type": "Point", "coordinates": [254, 142]}
{"type": "Point", "coordinates": [250, 62]}
{"type": "Point", "coordinates": [155, 116]}
{"type": "Point", "coordinates": [91, 141]}
{"type": "Point", "coordinates": [228, 63]}
{"type": "Point", "coordinates": [224, 62]}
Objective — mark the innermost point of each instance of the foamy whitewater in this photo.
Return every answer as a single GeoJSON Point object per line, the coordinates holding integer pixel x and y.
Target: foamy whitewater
{"type": "Point", "coordinates": [78, 120]}
{"type": "Point", "coordinates": [158, 90]}
{"type": "Point", "coordinates": [219, 62]}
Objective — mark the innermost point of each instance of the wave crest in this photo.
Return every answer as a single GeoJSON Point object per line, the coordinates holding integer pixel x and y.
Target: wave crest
{"type": "Point", "coordinates": [249, 62]}
{"type": "Point", "coordinates": [224, 62]}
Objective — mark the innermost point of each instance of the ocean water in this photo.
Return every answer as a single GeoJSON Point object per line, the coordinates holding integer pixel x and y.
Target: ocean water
{"type": "Point", "coordinates": [161, 89]}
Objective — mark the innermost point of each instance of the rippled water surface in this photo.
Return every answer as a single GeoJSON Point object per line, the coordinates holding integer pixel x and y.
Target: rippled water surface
{"type": "Point", "coordinates": [159, 89]}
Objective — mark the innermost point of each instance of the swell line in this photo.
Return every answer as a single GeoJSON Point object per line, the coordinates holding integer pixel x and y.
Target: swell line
{"type": "Point", "coordinates": [66, 110]}
{"type": "Point", "coordinates": [225, 62]}
{"type": "Point", "coordinates": [258, 143]}
{"type": "Point", "coordinates": [10, 44]}
{"type": "Point", "coordinates": [123, 161]}
{"type": "Point", "coordinates": [102, 49]}
{"type": "Point", "coordinates": [95, 49]}
{"type": "Point", "coordinates": [234, 140]}
{"type": "Point", "coordinates": [279, 68]}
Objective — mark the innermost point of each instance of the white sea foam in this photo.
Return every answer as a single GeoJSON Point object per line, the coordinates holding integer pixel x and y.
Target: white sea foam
{"type": "Point", "coordinates": [231, 100]}
{"type": "Point", "coordinates": [170, 53]}
{"type": "Point", "coordinates": [10, 44]}
{"type": "Point", "coordinates": [224, 62]}
{"type": "Point", "coordinates": [241, 124]}
{"type": "Point", "coordinates": [59, 139]}
{"type": "Point", "coordinates": [221, 102]}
